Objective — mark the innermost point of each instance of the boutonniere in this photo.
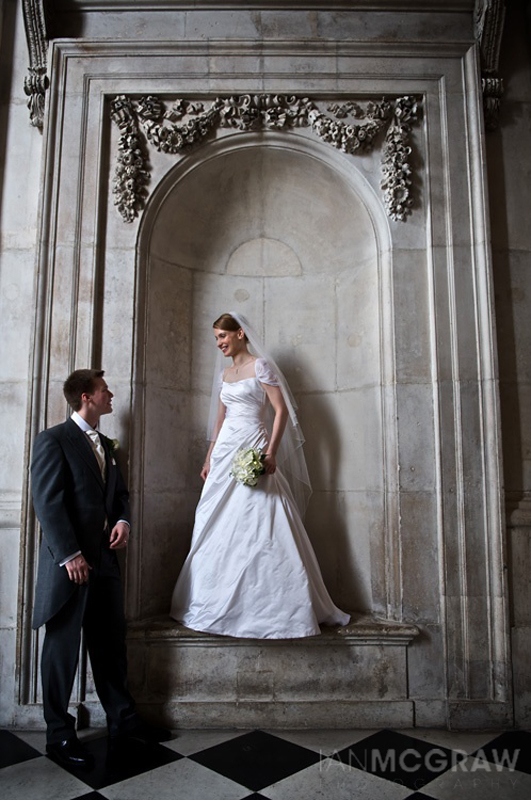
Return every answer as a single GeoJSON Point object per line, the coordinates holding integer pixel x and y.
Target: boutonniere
{"type": "Point", "coordinates": [113, 445]}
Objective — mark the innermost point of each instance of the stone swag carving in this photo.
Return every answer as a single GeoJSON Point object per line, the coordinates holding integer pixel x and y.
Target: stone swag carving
{"type": "Point", "coordinates": [188, 123]}
{"type": "Point", "coordinates": [36, 81]}
{"type": "Point", "coordinates": [489, 20]}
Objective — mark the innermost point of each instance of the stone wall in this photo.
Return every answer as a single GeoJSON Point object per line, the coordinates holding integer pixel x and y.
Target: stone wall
{"type": "Point", "coordinates": [20, 179]}
{"type": "Point", "coordinates": [509, 168]}
{"type": "Point", "coordinates": [399, 389]}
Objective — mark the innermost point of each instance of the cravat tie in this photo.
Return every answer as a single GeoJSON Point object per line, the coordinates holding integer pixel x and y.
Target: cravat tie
{"type": "Point", "coordinates": [99, 452]}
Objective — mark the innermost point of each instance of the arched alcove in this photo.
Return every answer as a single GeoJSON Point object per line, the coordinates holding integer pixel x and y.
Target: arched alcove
{"type": "Point", "coordinates": [283, 230]}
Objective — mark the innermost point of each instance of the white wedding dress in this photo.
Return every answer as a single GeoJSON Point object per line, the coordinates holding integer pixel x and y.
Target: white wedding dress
{"type": "Point", "coordinates": [251, 571]}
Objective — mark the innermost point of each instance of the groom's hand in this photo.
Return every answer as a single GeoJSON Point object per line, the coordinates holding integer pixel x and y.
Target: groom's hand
{"type": "Point", "coordinates": [119, 536]}
{"type": "Point", "coordinates": [78, 569]}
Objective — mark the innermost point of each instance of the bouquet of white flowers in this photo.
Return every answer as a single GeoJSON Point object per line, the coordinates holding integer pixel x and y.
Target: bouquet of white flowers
{"type": "Point", "coordinates": [247, 465]}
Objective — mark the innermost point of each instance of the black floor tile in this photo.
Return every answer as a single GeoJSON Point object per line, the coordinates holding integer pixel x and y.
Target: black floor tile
{"type": "Point", "coordinates": [255, 796]}
{"type": "Point", "coordinates": [399, 758]}
{"type": "Point", "coordinates": [13, 750]}
{"type": "Point", "coordinates": [419, 796]}
{"type": "Point", "coordinates": [256, 759]}
{"type": "Point", "coordinates": [111, 768]}
{"type": "Point", "coordinates": [511, 749]}
{"type": "Point", "coordinates": [91, 796]}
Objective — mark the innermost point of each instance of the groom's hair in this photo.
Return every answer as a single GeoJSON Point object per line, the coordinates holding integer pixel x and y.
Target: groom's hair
{"type": "Point", "coordinates": [80, 382]}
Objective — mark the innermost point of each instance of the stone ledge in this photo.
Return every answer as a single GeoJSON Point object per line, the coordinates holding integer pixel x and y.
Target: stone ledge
{"type": "Point", "coordinates": [362, 630]}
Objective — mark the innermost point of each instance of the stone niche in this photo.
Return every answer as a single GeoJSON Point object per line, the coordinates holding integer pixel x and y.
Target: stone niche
{"type": "Point", "coordinates": [384, 329]}
{"type": "Point", "coordinates": [274, 228]}
{"type": "Point", "coordinates": [280, 229]}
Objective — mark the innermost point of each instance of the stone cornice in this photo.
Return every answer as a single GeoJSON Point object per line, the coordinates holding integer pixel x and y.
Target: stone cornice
{"type": "Point", "coordinates": [428, 6]}
{"type": "Point", "coordinates": [489, 19]}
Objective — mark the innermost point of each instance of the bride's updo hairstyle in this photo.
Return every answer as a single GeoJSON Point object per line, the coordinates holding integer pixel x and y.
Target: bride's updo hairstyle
{"type": "Point", "coordinates": [227, 323]}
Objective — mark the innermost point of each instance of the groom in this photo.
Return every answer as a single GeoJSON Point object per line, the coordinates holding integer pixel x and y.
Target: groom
{"type": "Point", "coordinates": [82, 504]}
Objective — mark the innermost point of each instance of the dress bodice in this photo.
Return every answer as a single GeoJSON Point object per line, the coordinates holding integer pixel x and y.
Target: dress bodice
{"type": "Point", "coordinates": [246, 398]}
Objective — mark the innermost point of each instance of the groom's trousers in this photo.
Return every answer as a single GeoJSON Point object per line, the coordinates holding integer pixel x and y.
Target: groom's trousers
{"type": "Point", "coordinates": [96, 608]}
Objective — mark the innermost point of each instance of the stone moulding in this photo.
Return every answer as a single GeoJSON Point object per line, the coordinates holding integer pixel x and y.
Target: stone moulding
{"type": "Point", "coordinates": [147, 121]}
{"type": "Point", "coordinates": [361, 630]}
{"type": "Point", "coordinates": [36, 82]}
{"type": "Point", "coordinates": [208, 5]}
{"type": "Point", "coordinates": [489, 20]}
{"type": "Point", "coordinates": [489, 17]}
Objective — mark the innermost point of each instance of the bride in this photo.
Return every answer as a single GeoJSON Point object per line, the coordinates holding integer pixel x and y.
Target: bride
{"type": "Point", "coordinates": [251, 570]}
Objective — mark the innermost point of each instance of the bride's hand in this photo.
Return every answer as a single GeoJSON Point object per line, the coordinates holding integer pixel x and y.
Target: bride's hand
{"type": "Point", "coordinates": [205, 470]}
{"type": "Point", "coordinates": [270, 463]}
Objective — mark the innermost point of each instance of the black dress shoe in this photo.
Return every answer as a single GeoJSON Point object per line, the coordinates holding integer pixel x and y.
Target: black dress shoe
{"type": "Point", "coordinates": [145, 732]}
{"type": "Point", "coordinates": [70, 753]}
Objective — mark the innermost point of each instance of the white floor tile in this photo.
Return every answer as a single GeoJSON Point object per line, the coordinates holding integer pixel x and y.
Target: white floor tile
{"type": "Point", "coordinates": [35, 739]}
{"type": "Point", "coordinates": [181, 779]}
{"type": "Point", "coordinates": [330, 780]}
{"type": "Point", "coordinates": [477, 779]}
{"type": "Point", "coordinates": [39, 778]}
{"type": "Point", "coordinates": [189, 742]}
{"type": "Point", "coordinates": [324, 742]}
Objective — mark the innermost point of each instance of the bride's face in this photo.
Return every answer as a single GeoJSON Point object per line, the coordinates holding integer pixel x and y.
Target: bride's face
{"type": "Point", "coordinates": [229, 342]}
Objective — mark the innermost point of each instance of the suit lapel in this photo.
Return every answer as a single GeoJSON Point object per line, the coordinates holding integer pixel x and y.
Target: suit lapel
{"type": "Point", "coordinates": [80, 441]}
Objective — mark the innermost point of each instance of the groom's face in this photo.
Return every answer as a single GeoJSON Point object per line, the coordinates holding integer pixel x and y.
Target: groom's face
{"type": "Point", "coordinates": [100, 401]}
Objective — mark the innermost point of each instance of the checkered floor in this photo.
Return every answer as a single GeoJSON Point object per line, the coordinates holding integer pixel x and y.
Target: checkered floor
{"type": "Point", "coordinates": [287, 765]}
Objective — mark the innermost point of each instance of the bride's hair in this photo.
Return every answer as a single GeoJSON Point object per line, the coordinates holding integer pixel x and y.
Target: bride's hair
{"type": "Point", "coordinates": [227, 323]}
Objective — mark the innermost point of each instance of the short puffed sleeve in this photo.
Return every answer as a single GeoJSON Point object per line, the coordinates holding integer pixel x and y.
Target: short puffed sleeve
{"type": "Point", "coordinates": [264, 373]}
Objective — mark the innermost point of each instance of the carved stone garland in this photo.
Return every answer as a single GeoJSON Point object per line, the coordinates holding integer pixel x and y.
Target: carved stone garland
{"type": "Point", "coordinates": [36, 82]}
{"type": "Point", "coordinates": [187, 123]}
{"type": "Point", "coordinates": [489, 19]}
